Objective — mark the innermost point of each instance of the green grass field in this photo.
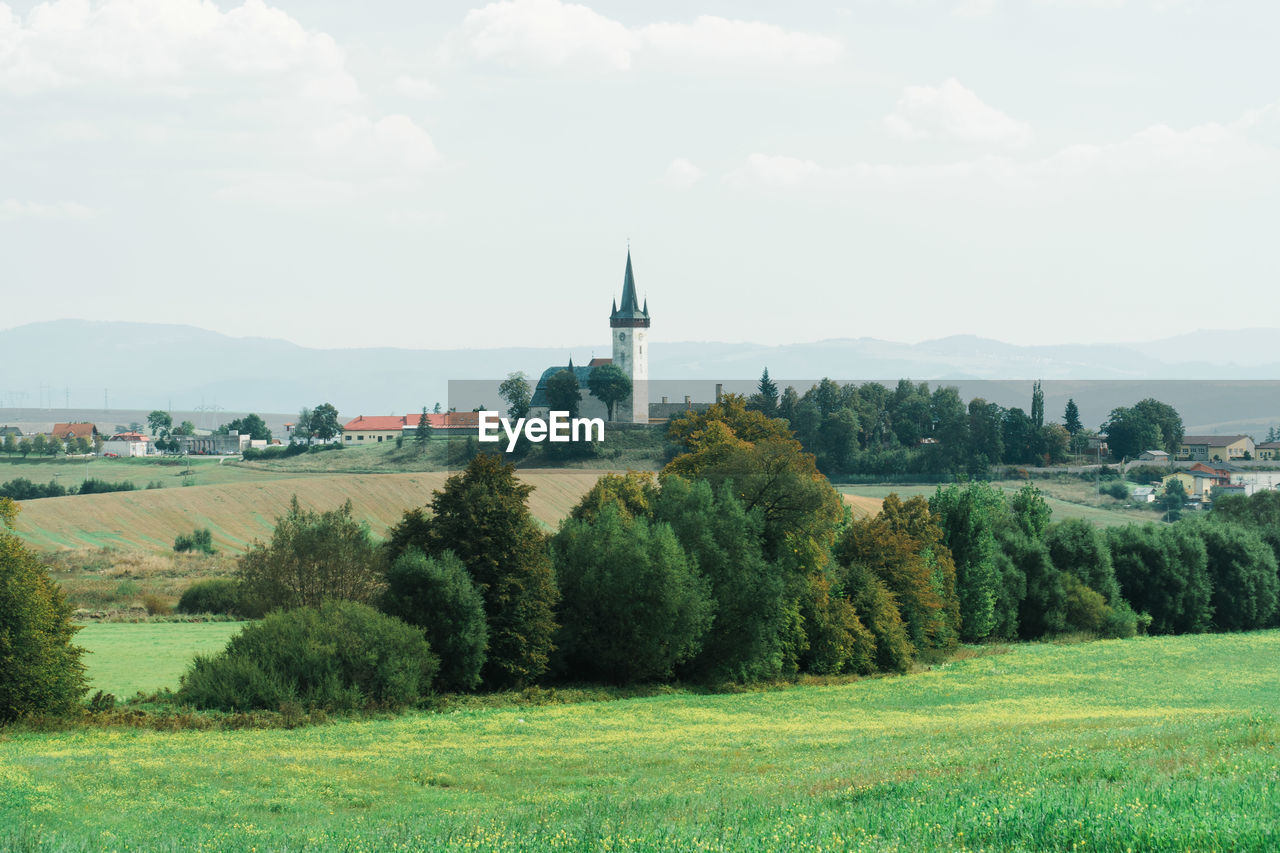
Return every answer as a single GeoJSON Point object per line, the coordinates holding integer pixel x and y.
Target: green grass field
{"type": "Point", "coordinates": [126, 657]}
{"type": "Point", "coordinates": [1146, 744]}
{"type": "Point", "coordinates": [167, 471]}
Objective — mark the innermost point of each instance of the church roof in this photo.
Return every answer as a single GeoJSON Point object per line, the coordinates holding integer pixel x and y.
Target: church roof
{"type": "Point", "coordinates": [630, 308]}
{"type": "Point", "coordinates": [583, 373]}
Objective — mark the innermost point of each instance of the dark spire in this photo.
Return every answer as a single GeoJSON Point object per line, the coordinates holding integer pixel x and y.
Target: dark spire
{"type": "Point", "coordinates": [629, 313]}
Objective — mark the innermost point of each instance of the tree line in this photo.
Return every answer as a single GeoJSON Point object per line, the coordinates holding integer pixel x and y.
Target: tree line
{"type": "Point", "coordinates": [738, 562]}
{"type": "Point", "coordinates": [871, 429]}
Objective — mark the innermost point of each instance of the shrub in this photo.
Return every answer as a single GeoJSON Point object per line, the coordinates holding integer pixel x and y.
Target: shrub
{"type": "Point", "coordinates": [93, 486]}
{"type": "Point", "coordinates": [156, 605]}
{"type": "Point", "coordinates": [215, 595]}
{"type": "Point", "coordinates": [632, 606]}
{"type": "Point", "coordinates": [339, 656]}
{"type": "Point", "coordinates": [312, 557]}
{"type": "Point", "coordinates": [1117, 490]}
{"type": "Point", "coordinates": [437, 595]}
{"type": "Point", "coordinates": [40, 670]}
{"type": "Point", "coordinates": [1084, 608]}
{"type": "Point", "coordinates": [200, 539]}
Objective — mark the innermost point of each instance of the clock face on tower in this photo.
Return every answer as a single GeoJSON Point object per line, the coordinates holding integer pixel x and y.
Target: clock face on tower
{"type": "Point", "coordinates": [622, 337]}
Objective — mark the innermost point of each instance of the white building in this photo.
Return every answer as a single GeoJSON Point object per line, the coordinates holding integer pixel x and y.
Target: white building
{"type": "Point", "coordinates": [126, 444]}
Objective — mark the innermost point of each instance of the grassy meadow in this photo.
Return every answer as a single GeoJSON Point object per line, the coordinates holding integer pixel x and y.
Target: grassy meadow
{"type": "Point", "coordinates": [1146, 744]}
{"type": "Point", "coordinates": [126, 657]}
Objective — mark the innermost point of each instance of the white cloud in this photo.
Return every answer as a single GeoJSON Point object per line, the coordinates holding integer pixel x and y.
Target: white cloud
{"type": "Point", "coordinates": [162, 46]}
{"type": "Point", "coordinates": [547, 34]}
{"type": "Point", "coordinates": [1211, 160]}
{"type": "Point", "coordinates": [551, 34]}
{"type": "Point", "coordinates": [213, 94]}
{"type": "Point", "coordinates": [954, 112]}
{"type": "Point", "coordinates": [415, 87]}
{"type": "Point", "coordinates": [11, 209]}
{"type": "Point", "coordinates": [682, 174]}
{"type": "Point", "coordinates": [748, 42]}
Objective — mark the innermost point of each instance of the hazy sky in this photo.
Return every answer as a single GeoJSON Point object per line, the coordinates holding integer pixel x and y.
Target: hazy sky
{"type": "Point", "coordinates": [446, 174]}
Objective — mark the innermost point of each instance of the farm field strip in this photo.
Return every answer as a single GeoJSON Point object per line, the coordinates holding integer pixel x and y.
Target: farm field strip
{"type": "Point", "coordinates": [1147, 744]}
{"type": "Point", "coordinates": [1062, 509]}
{"type": "Point", "coordinates": [238, 513]}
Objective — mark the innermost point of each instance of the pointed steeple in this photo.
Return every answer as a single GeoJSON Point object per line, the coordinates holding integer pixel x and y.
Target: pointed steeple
{"type": "Point", "coordinates": [629, 312]}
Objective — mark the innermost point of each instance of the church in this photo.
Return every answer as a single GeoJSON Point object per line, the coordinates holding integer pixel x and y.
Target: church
{"type": "Point", "coordinates": [629, 330]}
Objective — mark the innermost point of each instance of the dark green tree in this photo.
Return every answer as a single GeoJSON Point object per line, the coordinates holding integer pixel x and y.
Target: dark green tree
{"type": "Point", "coordinates": [423, 434]}
{"type": "Point", "coordinates": [1242, 574]}
{"type": "Point", "coordinates": [437, 595]}
{"type": "Point", "coordinates": [515, 391]}
{"type": "Point", "coordinates": [482, 515]}
{"type": "Point", "coordinates": [1173, 499]}
{"type": "Point", "coordinates": [968, 515]}
{"type": "Point", "coordinates": [1079, 547]}
{"type": "Point", "coordinates": [765, 400]}
{"type": "Point", "coordinates": [1037, 405]}
{"type": "Point", "coordinates": [633, 606]}
{"type": "Point", "coordinates": [160, 423]}
{"type": "Point", "coordinates": [251, 425]}
{"type": "Point", "coordinates": [324, 422]}
{"type": "Point", "coordinates": [563, 393]}
{"type": "Point", "coordinates": [609, 384]}
{"type": "Point", "coordinates": [40, 668]}
{"type": "Point", "coordinates": [726, 543]}
{"type": "Point", "coordinates": [1163, 571]}
{"type": "Point", "coordinates": [1071, 418]}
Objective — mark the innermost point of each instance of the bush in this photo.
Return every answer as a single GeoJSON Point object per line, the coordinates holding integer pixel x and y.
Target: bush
{"type": "Point", "coordinates": [1117, 490]}
{"type": "Point", "coordinates": [1242, 574]}
{"type": "Point", "coordinates": [340, 656]}
{"type": "Point", "coordinates": [216, 595]}
{"type": "Point", "coordinates": [312, 557]}
{"type": "Point", "coordinates": [200, 540]}
{"type": "Point", "coordinates": [437, 595]}
{"type": "Point", "coordinates": [93, 486]}
{"type": "Point", "coordinates": [156, 605]}
{"type": "Point", "coordinates": [40, 670]}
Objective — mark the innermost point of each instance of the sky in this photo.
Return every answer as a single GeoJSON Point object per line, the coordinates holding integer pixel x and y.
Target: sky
{"type": "Point", "coordinates": [468, 174]}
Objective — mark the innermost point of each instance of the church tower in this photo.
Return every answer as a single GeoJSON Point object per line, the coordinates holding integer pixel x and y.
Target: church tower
{"type": "Point", "coordinates": [630, 326]}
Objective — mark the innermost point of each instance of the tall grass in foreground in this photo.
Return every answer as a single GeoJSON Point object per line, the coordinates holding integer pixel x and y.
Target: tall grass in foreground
{"type": "Point", "coordinates": [1146, 744]}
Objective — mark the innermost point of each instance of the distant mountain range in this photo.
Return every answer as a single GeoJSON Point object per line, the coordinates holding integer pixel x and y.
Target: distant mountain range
{"type": "Point", "coordinates": [143, 366]}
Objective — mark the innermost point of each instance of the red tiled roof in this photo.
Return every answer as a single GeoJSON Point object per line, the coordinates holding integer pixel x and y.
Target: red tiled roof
{"type": "Point", "coordinates": [396, 423]}
{"type": "Point", "coordinates": [596, 362]}
{"type": "Point", "coordinates": [377, 422]}
{"type": "Point", "coordinates": [74, 430]}
{"type": "Point", "coordinates": [129, 436]}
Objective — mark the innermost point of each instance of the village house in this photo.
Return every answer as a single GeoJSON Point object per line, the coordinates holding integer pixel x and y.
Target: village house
{"type": "Point", "coordinates": [126, 444]}
{"type": "Point", "coordinates": [1269, 450]}
{"type": "Point", "coordinates": [379, 428]}
{"type": "Point", "coordinates": [70, 432]}
{"type": "Point", "coordinates": [1215, 448]}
